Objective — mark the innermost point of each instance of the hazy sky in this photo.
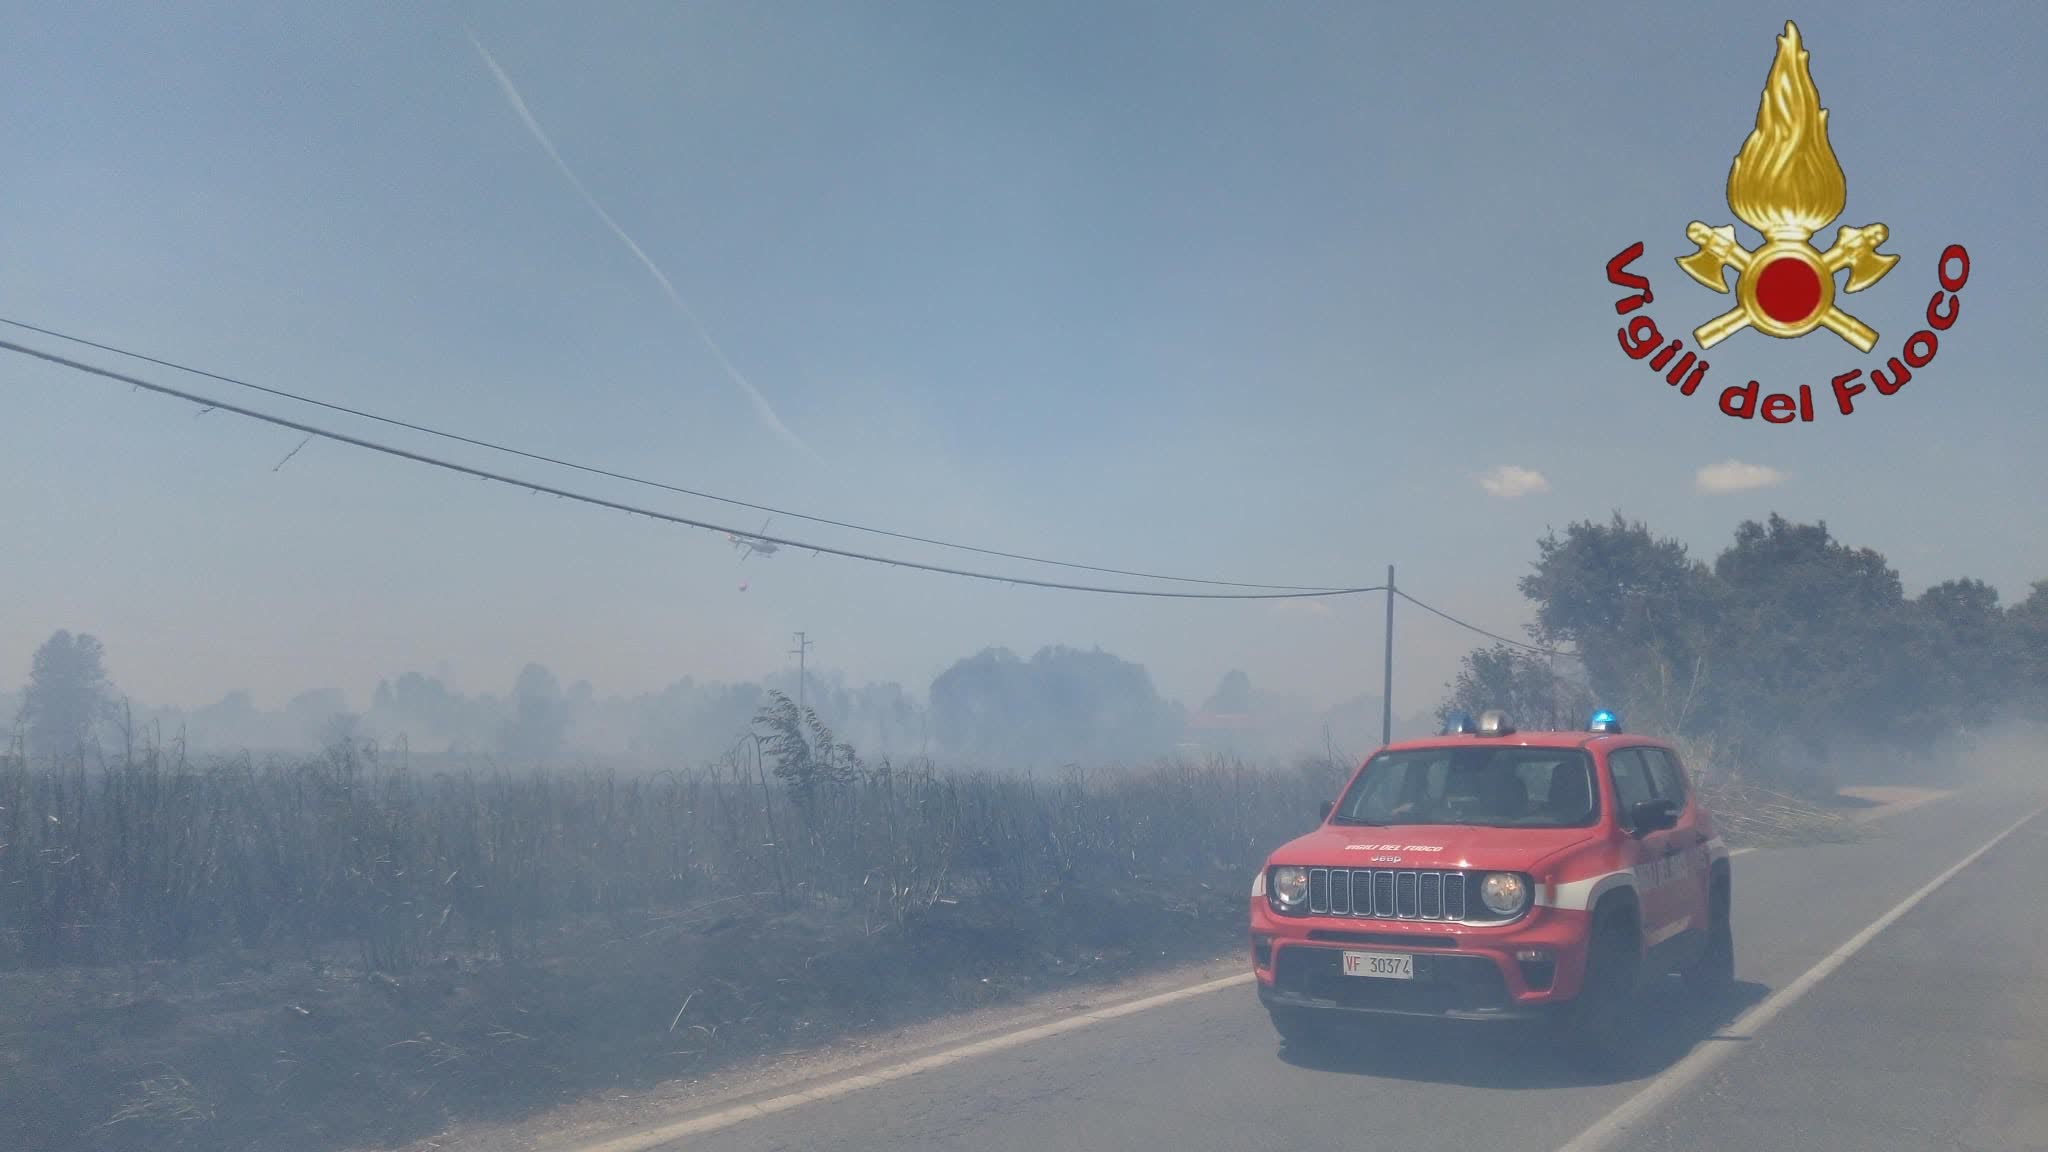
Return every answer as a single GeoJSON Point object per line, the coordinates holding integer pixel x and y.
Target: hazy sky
{"type": "Point", "coordinates": [1252, 292]}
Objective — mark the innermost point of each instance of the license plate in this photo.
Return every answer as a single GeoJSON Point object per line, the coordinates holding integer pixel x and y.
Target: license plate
{"type": "Point", "coordinates": [1385, 965]}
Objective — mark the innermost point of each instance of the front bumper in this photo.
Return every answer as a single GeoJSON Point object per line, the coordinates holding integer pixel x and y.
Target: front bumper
{"type": "Point", "coordinates": [1461, 972]}
{"type": "Point", "coordinates": [1446, 986]}
{"type": "Point", "coordinates": [1286, 1000]}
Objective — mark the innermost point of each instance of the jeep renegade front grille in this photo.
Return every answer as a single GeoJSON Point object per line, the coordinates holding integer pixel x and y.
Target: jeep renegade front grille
{"type": "Point", "coordinates": [1386, 894]}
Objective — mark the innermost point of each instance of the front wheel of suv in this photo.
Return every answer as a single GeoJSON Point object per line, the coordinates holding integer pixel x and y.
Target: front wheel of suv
{"type": "Point", "coordinates": [1595, 1020]}
{"type": "Point", "coordinates": [1716, 966]}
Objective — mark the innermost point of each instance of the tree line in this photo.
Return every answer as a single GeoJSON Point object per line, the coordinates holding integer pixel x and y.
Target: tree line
{"type": "Point", "coordinates": [994, 709]}
{"type": "Point", "coordinates": [1788, 654]}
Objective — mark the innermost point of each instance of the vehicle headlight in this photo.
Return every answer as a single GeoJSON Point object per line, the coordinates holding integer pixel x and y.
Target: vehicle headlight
{"type": "Point", "coordinates": [1504, 892]}
{"type": "Point", "coordinates": [1290, 887]}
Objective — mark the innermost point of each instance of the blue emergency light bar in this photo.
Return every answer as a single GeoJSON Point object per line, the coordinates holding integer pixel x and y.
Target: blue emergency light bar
{"type": "Point", "coordinates": [1604, 721]}
{"type": "Point", "coordinates": [1459, 723]}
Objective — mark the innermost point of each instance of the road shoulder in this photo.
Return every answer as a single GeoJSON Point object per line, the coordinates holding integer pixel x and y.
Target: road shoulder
{"type": "Point", "coordinates": [621, 1114]}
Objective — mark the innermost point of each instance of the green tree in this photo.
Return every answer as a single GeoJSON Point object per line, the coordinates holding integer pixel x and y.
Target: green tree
{"type": "Point", "coordinates": [1525, 685]}
{"type": "Point", "coordinates": [1640, 613]}
{"type": "Point", "coordinates": [540, 715]}
{"type": "Point", "coordinates": [1817, 637]}
{"type": "Point", "coordinates": [2027, 635]}
{"type": "Point", "coordinates": [1972, 654]}
{"type": "Point", "coordinates": [1233, 695]}
{"type": "Point", "coordinates": [1064, 705]}
{"type": "Point", "coordinates": [68, 695]}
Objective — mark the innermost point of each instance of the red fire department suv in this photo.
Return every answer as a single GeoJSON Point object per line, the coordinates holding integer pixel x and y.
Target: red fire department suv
{"type": "Point", "coordinates": [1493, 874]}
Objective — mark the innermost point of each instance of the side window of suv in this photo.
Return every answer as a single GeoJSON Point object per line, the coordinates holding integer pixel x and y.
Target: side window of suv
{"type": "Point", "coordinates": [1631, 782]}
{"type": "Point", "coordinates": [1666, 777]}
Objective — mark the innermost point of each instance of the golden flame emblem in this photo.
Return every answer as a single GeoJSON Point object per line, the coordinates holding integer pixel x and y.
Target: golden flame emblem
{"type": "Point", "coordinates": [1787, 184]}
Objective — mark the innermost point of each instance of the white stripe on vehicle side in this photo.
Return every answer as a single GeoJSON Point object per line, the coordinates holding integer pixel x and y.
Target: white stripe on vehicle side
{"type": "Point", "coordinates": [1579, 895]}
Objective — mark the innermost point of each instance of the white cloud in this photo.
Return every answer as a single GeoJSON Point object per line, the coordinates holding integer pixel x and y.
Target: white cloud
{"type": "Point", "coordinates": [1509, 482]}
{"type": "Point", "coordinates": [1735, 476]}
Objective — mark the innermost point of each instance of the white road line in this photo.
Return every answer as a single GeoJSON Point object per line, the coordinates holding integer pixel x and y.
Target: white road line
{"type": "Point", "coordinates": [727, 1117]}
{"type": "Point", "coordinates": [1609, 1130]}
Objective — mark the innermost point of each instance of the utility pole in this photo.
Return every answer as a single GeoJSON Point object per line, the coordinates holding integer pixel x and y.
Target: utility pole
{"type": "Point", "coordinates": [1387, 674]}
{"type": "Point", "coordinates": [803, 645]}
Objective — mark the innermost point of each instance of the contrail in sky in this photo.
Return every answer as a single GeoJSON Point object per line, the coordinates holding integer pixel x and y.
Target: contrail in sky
{"type": "Point", "coordinates": [761, 405]}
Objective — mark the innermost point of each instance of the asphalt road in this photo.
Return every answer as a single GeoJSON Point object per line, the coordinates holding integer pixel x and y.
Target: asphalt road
{"type": "Point", "coordinates": [1932, 1034]}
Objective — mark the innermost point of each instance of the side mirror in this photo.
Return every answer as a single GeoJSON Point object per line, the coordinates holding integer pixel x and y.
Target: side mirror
{"type": "Point", "coordinates": [1323, 810]}
{"type": "Point", "coordinates": [1653, 816]}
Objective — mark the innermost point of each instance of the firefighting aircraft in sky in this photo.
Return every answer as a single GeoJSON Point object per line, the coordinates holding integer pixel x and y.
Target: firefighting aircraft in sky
{"type": "Point", "coordinates": [753, 545]}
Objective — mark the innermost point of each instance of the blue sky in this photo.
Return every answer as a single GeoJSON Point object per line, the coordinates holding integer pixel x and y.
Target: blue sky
{"type": "Point", "coordinates": [1249, 293]}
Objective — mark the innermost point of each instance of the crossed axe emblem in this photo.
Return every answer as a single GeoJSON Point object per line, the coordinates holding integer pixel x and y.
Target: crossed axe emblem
{"type": "Point", "coordinates": [1784, 287]}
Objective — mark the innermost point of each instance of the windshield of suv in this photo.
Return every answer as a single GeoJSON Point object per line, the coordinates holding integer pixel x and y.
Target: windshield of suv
{"type": "Point", "coordinates": [1494, 787]}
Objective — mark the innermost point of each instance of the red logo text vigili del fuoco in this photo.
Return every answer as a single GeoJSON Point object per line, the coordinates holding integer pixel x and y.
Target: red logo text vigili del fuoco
{"type": "Point", "coordinates": [1786, 185]}
{"type": "Point", "coordinates": [1686, 370]}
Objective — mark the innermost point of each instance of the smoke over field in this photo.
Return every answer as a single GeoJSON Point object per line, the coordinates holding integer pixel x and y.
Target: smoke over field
{"type": "Point", "coordinates": [462, 906]}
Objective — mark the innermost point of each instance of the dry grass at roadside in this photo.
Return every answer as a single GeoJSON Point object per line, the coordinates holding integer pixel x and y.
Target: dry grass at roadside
{"type": "Point", "coordinates": [339, 950]}
{"type": "Point", "coordinates": [1748, 815]}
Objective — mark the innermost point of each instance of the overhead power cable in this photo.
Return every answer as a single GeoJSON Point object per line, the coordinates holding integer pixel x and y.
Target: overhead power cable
{"type": "Point", "coordinates": [534, 486]}
{"type": "Point", "coordinates": [596, 471]}
{"type": "Point", "coordinates": [1476, 628]}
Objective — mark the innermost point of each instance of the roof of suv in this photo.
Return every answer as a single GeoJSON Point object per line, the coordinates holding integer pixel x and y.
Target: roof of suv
{"type": "Point", "coordinates": [1523, 740]}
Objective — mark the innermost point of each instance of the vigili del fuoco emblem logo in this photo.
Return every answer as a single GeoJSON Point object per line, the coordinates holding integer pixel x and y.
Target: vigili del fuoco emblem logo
{"type": "Point", "coordinates": [1786, 185]}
